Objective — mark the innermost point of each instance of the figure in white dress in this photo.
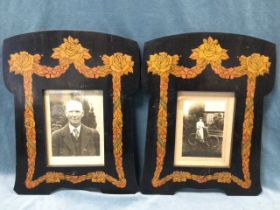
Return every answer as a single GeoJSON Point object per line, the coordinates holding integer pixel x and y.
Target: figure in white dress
{"type": "Point", "coordinates": [200, 129]}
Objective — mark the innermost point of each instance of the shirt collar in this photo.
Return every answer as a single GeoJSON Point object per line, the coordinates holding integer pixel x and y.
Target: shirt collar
{"type": "Point", "coordinates": [71, 127]}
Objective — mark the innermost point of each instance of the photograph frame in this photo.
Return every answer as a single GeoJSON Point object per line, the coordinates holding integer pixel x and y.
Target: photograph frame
{"type": "Point", "coordinates": [205, 62]}
{"type": "Point", "coordinates": [67, 55]}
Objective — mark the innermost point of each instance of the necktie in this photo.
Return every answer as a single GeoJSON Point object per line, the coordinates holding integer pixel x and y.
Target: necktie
{"type": "Point", "coordinates": [76, 133]}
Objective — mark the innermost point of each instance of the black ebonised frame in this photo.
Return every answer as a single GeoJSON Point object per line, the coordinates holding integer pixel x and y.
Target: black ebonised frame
{"type": "Point", "coordinates": [166, 70]}
{"type": "Point", "coordinates": [61, 60]}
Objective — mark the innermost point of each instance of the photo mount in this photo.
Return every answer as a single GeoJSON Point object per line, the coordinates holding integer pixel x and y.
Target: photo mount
{"type": "Point", "coordinates": [204, 125]}
{"type": "Point", "coordinates": [212, 66]}
{"type": "Point", "coordinates": [62, 60]}
{"type": "Point", "coordinates": [89, 150]}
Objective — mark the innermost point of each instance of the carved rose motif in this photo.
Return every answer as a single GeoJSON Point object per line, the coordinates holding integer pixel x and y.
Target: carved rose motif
{"type": "Point", "coordinates": [209, 52]}
{"type": "Point", "coordinates": [71, 51]}
{"type": "Point", "coordinates": [23, 62]}
{"type": "Point", "coordinates": [255, 64]}
{"type": "Point", "coordinates": [161, 63]}
{"type": "Point", "coordinates": [119, 63]}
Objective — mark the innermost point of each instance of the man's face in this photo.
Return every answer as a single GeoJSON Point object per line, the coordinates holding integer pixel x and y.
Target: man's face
{"type": "Point", "coordinates": [74, 112]}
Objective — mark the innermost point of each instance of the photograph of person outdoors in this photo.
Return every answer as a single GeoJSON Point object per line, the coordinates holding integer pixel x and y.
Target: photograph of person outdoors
{"type": "Point", "coordinates": [73, 130]}
{"type": "Point", "coordinates": [202, 130]}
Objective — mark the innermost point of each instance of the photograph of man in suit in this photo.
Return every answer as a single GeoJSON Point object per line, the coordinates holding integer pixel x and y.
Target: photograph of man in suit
{"type": "Point", "coordinates": [75, 139]}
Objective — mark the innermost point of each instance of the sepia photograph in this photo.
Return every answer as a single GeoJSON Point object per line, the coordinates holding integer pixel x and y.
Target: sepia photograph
{"type": "Point", "coordinates": [204, 125]}
{"type": "Point", "coordinates": [74, 127]}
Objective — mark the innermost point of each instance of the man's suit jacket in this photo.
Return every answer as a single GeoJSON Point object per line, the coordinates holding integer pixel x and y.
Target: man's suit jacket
{"type": "Point", "coordinates": [63, 144]}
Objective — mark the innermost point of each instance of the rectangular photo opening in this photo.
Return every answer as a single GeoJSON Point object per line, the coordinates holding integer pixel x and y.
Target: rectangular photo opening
{"type": "Point", "coordinates": [74, 127]}
{"type": "Point", "coordinates": [204, 126]}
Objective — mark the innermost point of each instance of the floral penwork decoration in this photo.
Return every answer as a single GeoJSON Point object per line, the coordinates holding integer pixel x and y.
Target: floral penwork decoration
{"type": "Point", "coordinates": [208, 55]}
{"type": "Point", "coordinates": [71, 53]}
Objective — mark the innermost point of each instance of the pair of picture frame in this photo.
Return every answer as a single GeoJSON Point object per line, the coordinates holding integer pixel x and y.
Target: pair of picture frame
{"type": "Point", "coordinates": [74, 114]}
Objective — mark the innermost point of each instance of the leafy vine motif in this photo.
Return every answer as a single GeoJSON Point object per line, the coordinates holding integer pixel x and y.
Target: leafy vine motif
{"type": "Point", "coordinates": [72, 52]}
{"type": "Point", "coordinates": [208, 53]}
